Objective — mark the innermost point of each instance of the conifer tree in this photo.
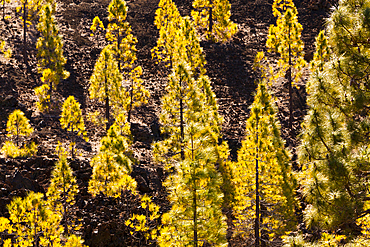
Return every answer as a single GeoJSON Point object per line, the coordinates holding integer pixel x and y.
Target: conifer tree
{"type": "Point", "coordinates": [213, 18]}
{"type": "Point", "coordinates": [146, 222]}
{"type": "Point", "coordinates": [262, 177]}
{"type": "Point", "coordinates": [112, 165]}
{"type": "Point", "coordinates": [178, 40]}
{"type": "Point", "coordinates": [180, 106]}
{"type": "Point", "coordinates": [61, 193]}
{"type": "Point", "coordinates": [334, 150]}
{"type": "Point", "coordinates": [122, 44]}
{"type": "Point", "coordinates": [50, 51]}
{"type": "Point", "coordinates": [18, 127]}
{"type": "Point", "coordinates": [195, 217]}
{"type": "Point", "coordinates": [106, 81]}
{"type": "Point", "coordinates": [30, 9]}
{"type": "Point", "coordinates": [33, 223]}
{"type": "Point", "coordinates": [72, 120]}
{"type": "Point", "coordinates": [285, 39]}
{"type": "Point", "coordinates": [168, 21]}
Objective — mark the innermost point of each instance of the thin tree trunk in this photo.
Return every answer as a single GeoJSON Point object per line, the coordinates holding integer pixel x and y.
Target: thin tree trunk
{"type": "Point", "coordinates": [182, 124]}
{"type": "Point", "coordinates": [131, 98]}
{"type": "Point", "coordinates": [195, 217]}
{"type": "Point", "coordinates": [3, 10]}
{"type": "Point", "coordinates": [24, 32]}
{"type": "Point", "coordinates": [257, 220]}
{"type": "Point", "coordinates": [64, 203]}
{"type": "Point", "coordinates": [106, 100]}
{"type": "Point", "coordinates": [210, 27]}
{"type": "Point", "coordinates": [289, 75]}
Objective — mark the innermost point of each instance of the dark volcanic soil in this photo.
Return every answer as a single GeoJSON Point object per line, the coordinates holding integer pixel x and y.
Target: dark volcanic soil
{"type": "Point", "coordinates": [229, 66]}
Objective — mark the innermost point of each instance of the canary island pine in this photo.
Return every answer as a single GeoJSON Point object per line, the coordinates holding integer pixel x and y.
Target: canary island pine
{"type": "Point", "coordinates": [122, 44]}
{"type": "Point", "coordinates": [334, 151]}
{"type": "Point", "coordinates": [178, 40]}
{"type": "Point", "coordinates": [105, 82]}
{"type": "Point", "coordinates": [61, 194]}
{"type": "Point", "coordinates": [72, 120]}
{"type": "Point", "coordinates": [30, 10]}
{"type": "Point", "coordinates": [33, 223]}
{"type": "Point", "coordinates": [195, 218]}
{"type": "Point", "coordinates": [181, 105]}
{"type": "Point", "coordinates": [50, 54]}
{"type": "Point", "coordinates": [168, 21]}
{"type": "Point", "coordinates": [112, 165]}
{"type": "Point", "coordinates": [263, 180]}
{"type": "Point", "coordinates": [18, 128]}
{"type": "Point", "coordinates": [212, 17]}
{"type": "Point", "coordinates": [284, 38]}
{"type": "Point", "coordinates": [147, 221]}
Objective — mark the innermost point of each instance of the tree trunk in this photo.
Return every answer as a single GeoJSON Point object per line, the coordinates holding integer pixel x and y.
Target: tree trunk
{"type": "Point", "coordinates": [106, 99]}
{"type": "Point", "coordinates": [131, 98]}
{"type": "Point", "coordinates": [289, 76]}
{"type": "Point", "coordinates": [24, 32]}
{"type": "Point", "coordinates": [182, 124]}
{"type": "Point", "coordinates": [195, 216]}
{"type": "Point", "coordinates": [257, 220]}
{"type": "Point", "coordinates": [210, 27]}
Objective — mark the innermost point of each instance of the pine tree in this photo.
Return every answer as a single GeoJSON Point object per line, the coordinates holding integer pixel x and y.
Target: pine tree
{"type": "Point", "coordinates": [33, 223]}
{"type": "Point", "coordinates": [180, 106]}
{"type": "Point", "coordinates": [50, 50]}
{"type": "Point", "coordinates": [178, 40]}
{"type": "Point", "coordinates": [61, 193]}
{"type": "Point", "coordinates": [122, 45]}
{"type": "Point", "coordinates": [334, 150]}
{"type": "Point", "coordinates": [72, 120]}
{"type": "Point", "coordinates": [112, 165]}
{"type": "Point", "coordinates": [168, 21]}
{"type": "Point", "coordinates": [285, 39]}
{"type": "Point", "coordinates": [195, 217]}
{"type": "Point", "coordinates": [145, 222]}
{"type": "Point", "coordinates": [213, 17]}
{"type": "Point", "coordinates": [106, 81]}
{"type": "Point", "coordinates": [30, 9]}
{"type": "Point", "coordinates": [262, 177]}
{"type": "Point", "coordinates": [18, 127]}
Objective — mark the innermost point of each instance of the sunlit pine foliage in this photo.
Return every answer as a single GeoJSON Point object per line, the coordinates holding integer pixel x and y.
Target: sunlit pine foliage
{"type": "Point", "coordinates": [112, 165]}
{"type": "Point", "coordinates": [105, 82]}
{"type": "Point", "coordinates": [334, 151]}
{"type": "Point", "coordinates": [264, 145]}
{"type": "Point", "coordinates": [18, 128]}
{"type": "Point", "coordinates": [72, 120]}
{"type": "Point", "coordinates": [33, 223]}
{"type": "Point", "coordinates": [212, 17]}
{"type": "Point", "coordinates": [50, 46]}
{"type": "Point", "coordinates": [30, 10]}
{"type": "Point", "coordinates": [50, 57]}
{"type": "Point", "coordinates": [6, 52]}
{"type": "Point", "coordinates": [146, 221]}
{"type": "Point", "coordinates": [62, 192]}
{"type": "Point", "coordinates": [181, 105]}
{"type": "Point", "coordinates": [168, 21]}
{"type": "Point", "coordinates": [284, 38]}
{"type": "Point", "coordinates": [195, 218]}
